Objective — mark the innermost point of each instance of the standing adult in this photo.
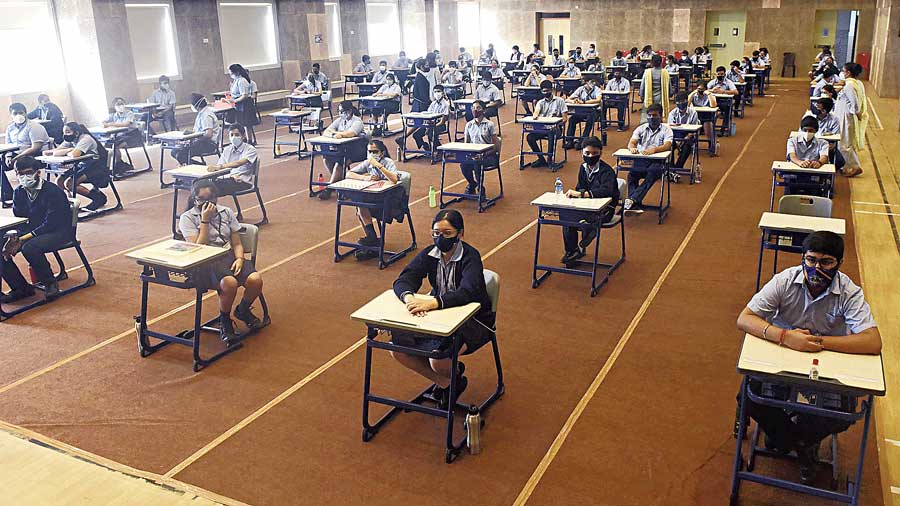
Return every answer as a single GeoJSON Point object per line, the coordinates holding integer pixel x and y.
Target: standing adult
{"type": "Point", "coordinates": [851, 110]}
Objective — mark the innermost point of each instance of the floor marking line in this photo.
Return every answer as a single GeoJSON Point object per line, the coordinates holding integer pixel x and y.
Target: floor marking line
{"type": "Point", "coordinates": [874, 113]}
{"type": "Point", "coordinates": [892, 441]}
{"type": "Point", "coordinates": [875, 212]}
{"type": "Point", "coordinates": [882, 204]}
{"type": "Point", "coordinates": [566, 429]}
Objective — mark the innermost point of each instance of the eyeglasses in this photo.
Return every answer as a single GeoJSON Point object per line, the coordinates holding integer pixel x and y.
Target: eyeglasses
{"type": "Point", "coordinates": [824, 262]}
{"type": "Point", "coordinates": [374, 152]}
{"type": "Point", "coordinates": [449, 234]}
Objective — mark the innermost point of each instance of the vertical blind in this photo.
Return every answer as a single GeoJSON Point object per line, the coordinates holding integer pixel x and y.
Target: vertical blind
{"type": "Point", "coordinates": [248, 33]}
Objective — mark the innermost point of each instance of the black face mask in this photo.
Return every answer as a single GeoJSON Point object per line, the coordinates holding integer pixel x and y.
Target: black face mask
{"type": "Point", "coordinates": [70, 138]}
{"type": "Point", "coordinates": [590, 160]}
{"type": "Point", "coordinates": [445, 244]}
{"type": "Point", "coordinates": [546, 93]}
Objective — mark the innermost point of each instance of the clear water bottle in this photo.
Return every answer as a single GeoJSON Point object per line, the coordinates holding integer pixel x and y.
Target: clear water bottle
{"type": "Point", "coordinates": [558, 187]}
{"type": "Point", "coordinates": [473, 430]}
{"type": "Point", "coordinates": [814, 370]}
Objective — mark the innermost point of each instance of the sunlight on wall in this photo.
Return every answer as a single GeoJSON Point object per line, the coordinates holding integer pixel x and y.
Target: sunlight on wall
{"type": "Point", "coordinates": [83, 72]}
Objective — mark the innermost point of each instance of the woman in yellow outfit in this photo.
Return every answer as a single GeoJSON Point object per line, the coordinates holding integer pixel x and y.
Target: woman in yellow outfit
{"type": "Point", "coordinates": [851, 109]}
{"type": "Point", "coordinates": [655, 87]}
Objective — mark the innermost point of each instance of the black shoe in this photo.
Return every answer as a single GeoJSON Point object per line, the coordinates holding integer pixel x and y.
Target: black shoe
{"type": "Point", "coordinates": [325, 194]}
{"type": "Point", "coordinates": [363, 255]}
{"type": "Point", "coordinates": [51, 289]}
{"type": "Point", "coordinates": [470, 189]}
{"type": "Point", "coordinates": [7, 204]}
{"type": "Point", "coordinates": [808, 457]}
{"type": "Point", "coordinates": [426, 146]}
{"type": "Point", "coordinates": [540, 162]}
{"type": "Point", "coordinates": [245, 315]}
{"type": "Point", "coordinates": [772, 446]}
{"type": "Point", "coordinates": [226, 331]}
{"type": "Point", "coordinates": [368, 241]}
{"type": "Point", "coordinates": [441, 396]}
{"type": "Point", "coordinates": [17, 294]}
{"type": "Point", "coordinates": [571, 259]}
{"type": "Point", "coordinates": [98, 200]}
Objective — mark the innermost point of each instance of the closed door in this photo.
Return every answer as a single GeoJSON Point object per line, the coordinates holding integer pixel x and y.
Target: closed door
{"type": "Point", "coordinates": [554, 34]}
{"type": "Point", "coordinates": [725, 35]}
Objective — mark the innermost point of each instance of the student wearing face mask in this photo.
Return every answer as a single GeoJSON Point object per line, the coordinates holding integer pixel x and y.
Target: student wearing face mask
{"type": "Point", "coordinates": [451, 74]}
{"type": "Point", "coordinates": [829, 124]}
{"type": "Point", "coordinates": [556, 59]}
{"type": "Point", "coordinates": [132, 138]}
{"type": "Point", "coordinates": [440, 105]}
{"type": "Point", "coordinates": [746, 66]}
{"type": "Point", "coordinates": [242, 99]}
{"type": "Point", "coordinates": [77, 141]}
{"type": "Point", "coordinates": [685, 58]}
{"type": "Point", "coordinates": [734, 73]}
{"type": "Point", "coordinates": [48, 228]}
{"type": "Point", "coordinates": [165, 97]}
{"type": "Point", "coordinates": [588, 93]}
{"type": "Point", "coordinates": [596, 180]}
{"type": "Point", "coordinates": [239, 156]}
{"type": "Point", "coordinates": [381, 74]}
{"type": "Point", "coordinates": [51, 113]}
{"type": "Point", "coordinates": [377, 166]}
{"type": "Point", "coordinates": [206, 122]}
{"type": "Point", "coordinates": [465, 58]}
{"type": "Point", "coordinates": [534, 78]}
{"type": "Point", "coordinates": [30, 136]}
{"type": "Point", "coordinates": [578, 55]}
{"type": "Point", "coordinates": [456, 274]}
{"type": "Point", "coordinates": [683, 114]}
{"type": "Point", "coordinates": [620, 84]}
{"type": "Point", "coordinates": [808, 151]}
{"type": "Point", "coordinates": [647, 139]}
{"type": "Point", "coordinates": [547, 107]}
{"type": "Point", "coordinates": [671, 65]}
{"type": "Point", "coordinates": [633, 54]}
{"type": "Point", "coordinates": [207, 223]}
{"type": "Point", "coordinates": [320, 77]}
{"type": "Point", "coordinates": [310, 85]}
{"type": "Point", "coordinates": [364, 66]}
{"type": "Point", "coordinates": [391, 90]}
{"type": "Point", "coordinates": [701, 97]}
{"type": "Point", "coordinates": [570, 70]}
{"type": "Point", "coordinates": [479, 130]}
{"type": "Point", "coordinates": [488, 93]}
{"type": "Point", "coordinates": [402, 61]}
{"type": "Point", "coordinates": [829, 76]}
{"type": "Point", "coordinates": [348, 124]}
{"type": "Point", "coordinates": [619, 60]}
{"type": "Point", "coordinates": [591, 52]}
{"type": "Point", "coordinates": [721, 84]}
{"type": "Point", "coordinates": [811, 307]}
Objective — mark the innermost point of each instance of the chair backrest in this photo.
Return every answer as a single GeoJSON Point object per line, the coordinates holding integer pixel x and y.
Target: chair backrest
{"type": "Point", "coordinates": [356, 150]}
{"type": "Point", "coordinates": [256, 173]}
{"type": "Point", "coordinates": [805, 205]}
{"type": "Point", "coordinates": [492, 282]}
{"type": "Point", "coordinates": [406, 181]}
{"type": "Point", "coordinates": [249, 238]}
{"type": "Point", "coordinates": [623, 189]}
{"type": "Point", "coordinates": [75, 206]}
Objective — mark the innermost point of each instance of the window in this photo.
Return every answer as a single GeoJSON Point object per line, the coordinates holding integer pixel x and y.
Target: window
{"type": "Point", "coordinates": [383, 26]}
{"type": "Point", "coordinates": [31, 21]}
{"type": "Point", "coordinates": [333, 30]}
{"type": "Point", "coordinates": [468, 26]}
{"type": "Point", "coordinates": [248, 34]}
{"type": "Point", "coordinates": [437, 26]}
{"type": "Point", "coordinates": [152, 32]}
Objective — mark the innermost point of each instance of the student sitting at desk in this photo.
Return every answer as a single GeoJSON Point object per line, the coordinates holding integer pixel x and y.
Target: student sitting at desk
{"type": "Point", "coordinates": [757, 61]}
{"type": "Point", "coordinates": [348, 124]}
{"type": "Point", "coordinates": [402, 61]}
{"type": "Point", "coordinates": [720, 84]}
{"type": "Point", "coordinates": [310, 85]}
{"type": "Point", "coordinates": [588, 93]}
{"type": "Point", "coordinates": [534, 78]}
{"type": "Point", "coordinates": [438, 60]}
{"type": "Point", "coordinates": [683, 114]}
{"type": "Point", "coordinates": [620, 84]}
{"type": "Point", "coordinates": [596, 180]}
{"type": "Point", "coordinates": [133, 137]}
{"type": "Point", "coordinates": [547, 107]}
{"type": "Point", "coordinates": [811, 307]}
{"type": "Point", "coordinates": [764, 55]}
{"type": "Point", "coordinates": [51, 113]}
{"type": "Point", "coordinates": [206, 122]}
{"type": "Point", "coordinates": [29, 135]}
{"type": "Point", "coordinates": [479, 130]}
{"type": "Point", "coordinates": [381, 74]}
{"type": "Point", "coordinates": [685, 58]}
{"type": "Point", "coordinates": [746, 66]}
{"type": "Point", "coordinates": [619, 60]}
{"type": "Point", "coordinates": [570, 70]}
{"type": "Point", "coordinates": [701, 97]}
{"type": "Point", "coordinates": [734, 74]}
{"type": "Point", "coordinates": [377, 167]}
{"type": "Point", "coordinates": [455, 272]}
{"type": "Point", "coordinates": [577, 55]}
{"type": "Point", "coordinates": [646, 52]}
{"type": "Point", "coordinates": [464, 58]}
{"type": "Point", "coordinates": [77, 142]}
{"type": "Point", "coordinates": [165, 97]}
{"type": "Point", "coordinates": [364, 66]}
{"type": "Point", "coordinates": [239, 156]}
{"type": "Point", "coordinates": [440, 105]}
{"type": "Point", "coordinates": [591, 52]}
{"type": "Point", "coordinates": [829, 124]}
{"type": "Point", "coordinates": [451, 74]}
{"type": "Point", "coordinates": [391, 90]}
{"type": "Point", "coordinates": [826, 51]}
{"type": "Point", "coordinates": [516, 54]}
{"type": "Point", "coordinates": [671, 65]}
{"type": "Point", "coordinates": [633, 55]}
{"type": "Point", "coordinates": [495, 70]}
{"type": "Point", "coordinates": [48, 228]}
{"type": "Point", "coordinates": [488, 54]}
{"type": "Point", "coordinates": [556, 59]}
{"type": "Point", "coordinates": [488, 93]}
{"type": "Point", "coordinates": [808, 151]}
{"type": "Point", "coordinates": [647, 139]}
{"type": "Point", "coordinates": [324, 83]}
{"type": "Point", "coordinates": [829, 76]}
{"type": "Point", "coordinates": [536, 52]}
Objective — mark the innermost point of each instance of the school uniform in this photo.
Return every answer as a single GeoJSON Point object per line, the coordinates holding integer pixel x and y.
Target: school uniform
{"type": "Point", "coordinates": [598, 181]}
{"type": "Point", "coordinates": [452, 77]}
{"type": "Point", "coordinates": [308, 86]}
{"type": "Point", "coordinates": [391, 106]}
{"type": "Point", "coordinates": [688, 117]}
{"type": "Point", "coordinates": [441, 106]}
{"type": "Point", "coordinates": [487, 95]}
{"type": "Point", "coordinates": [363, 68]}
{"type": "Point", "coordinates": [245, 110]}
{"type": "Point", "coordinates": [465, 58]}
{"type": "Point", "coordinates": [220, 227]}
{"type": "Point", "coordinates": [50, 220]}
{"type": "Point", "coordinates": [166, 99]}
{"type": "Point", "coordinates": [726, 84]}
{"type": "Point", "coordinates": [646, 138]}
{"type": "Point", "coordinates": [619, 62]}
{"type": "Point", "coordinates": [477, 132]}
{"type": "Point", "coordinates": [379, 77]}
{"type": "Point", "coordinates": [591, 53]}
{"type": "Point", "coordinates": [402, 63]}
{"type": "Point", "coordinates": [94, 170]}
{"type": "Point", "coordinates": [24, 136]}
{"type": "Point", "coordinates": [821, 83]}
{"type": "Point", "coordinates": [552, 107]}
{"type": "Point", "coordinates": [785, 302]}
{"type": "Point", "coordinates": [596, 67]}
{"type": "Point", "coordinates": [454, 283]}
{"type": "Point", "coordinates": [239, 178]}
{"type": "Point", "coordinates": [829, 124]}
{"type": "Point", "coordinates": [322, 79]}
{"type": "Point", "coordinates": [734, 77]}
{"type": "Point", "coordinates": [496, 73]}
{"type": "Point", "coordinates": [51, 113]}
{"type": "Point", "coordinates": [806, 184]}
{"type": "Point", "coordinates": [203, 146]}
{"type": "Point", "coordinates": [557, 60]}
{"type": "Point", "coordinates": [393, 202]}
{"type": "Point", "coordinates": [582, 93]}
{"type": "Point", "coordinates": [620, 85]}
{"type": "Point", "coordinates": [341, 125]}
{"type": "Point", "coordinates": [672, 69]}
{"type": "Point", "coordinates": [572, 71]}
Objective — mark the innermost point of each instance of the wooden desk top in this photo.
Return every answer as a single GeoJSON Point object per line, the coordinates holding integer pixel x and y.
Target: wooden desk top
{"type": "Point", "coordinates": [551, 199]}
{"type": "Point", "coordinates": [610, 92]}
{"type": "Point", "coordinates": [177, 135]}
{"type": "Point", "coordinates": [802, 224]}
{"type": "Point", "coordinates": [377, 98]}
{"type": "Point", "coordinates": [291, 114]}
{"type": "Point", "coordinates": [165, 254]}
{"type": "Point", "coordinates": [142, 105]}
{"type": "Point", "coordinates": [624, 153]}
{"type": "Point", "coordinates": [468, 147]}
{"type": "Point", "coordinates": [302, 96]}
{"type": "Point", "coordinates": [11, 222]}
{"type": "Point", "coordinates": [423, 115]}
{"type": "Point", "coordinates": [321, 139]}
{"type": "Point", "coordinates": [387, 311]}
{"type": "Point", "coordinates": [195, 172]}
{"type": "Point", "coordinates": [706, 109]}
{"type": "Point", "coordinates": [63, 160]}
{"type": "Point", "coordinates": [780, 166]}
{"type": "Point", "coordinates": [583, 106]}
{"type": "Point", "coordinates": [865, 372]}
{"type": "Point", "coordinates": [684, 128]}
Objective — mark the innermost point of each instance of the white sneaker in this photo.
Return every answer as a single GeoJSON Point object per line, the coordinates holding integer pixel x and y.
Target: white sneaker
{"type": "Point", "coordinates": [698, 174]}
{"type": "Point", "coordinates": [629, 207]}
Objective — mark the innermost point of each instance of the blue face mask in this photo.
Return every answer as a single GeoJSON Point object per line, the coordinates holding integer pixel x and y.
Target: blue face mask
{"type": "Point", "coordinates": [654, 122]}
{"type": "Point", "coordinates": [817, 277]}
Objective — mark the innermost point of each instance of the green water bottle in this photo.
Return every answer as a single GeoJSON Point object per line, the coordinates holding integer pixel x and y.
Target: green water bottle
{"type": "Point", "coordinates": [432, 197]}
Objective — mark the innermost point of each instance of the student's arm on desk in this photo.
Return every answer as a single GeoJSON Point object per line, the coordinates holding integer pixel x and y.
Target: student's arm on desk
{"type": "Point", "coordinates": [409, 282]}
{"type": "Point", "coordinates": [795, 339]}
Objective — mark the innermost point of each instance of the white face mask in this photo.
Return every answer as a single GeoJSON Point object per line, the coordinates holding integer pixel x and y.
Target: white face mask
{"type": "Point", "coordinates": [28, 180]}
{"type": "Point", "coordinates": [570, 65]}
{"type": "Point", "coordinates": [383, 68]}
{"type": "Point", "coordinates": [439, 95]}
{"type": "Point", "coordinates": [193, 108]}
{"type": "Point", "coordinates": [233, 76]}
{"type": "Point", "coordinates": [236, 140]}
{"type": "Point", "coordinates": [120, 108]}
{"type": "Point", "coordinates": [347, 114]}
{"type": "Point", "coordinates": [808, 136]}
{"type": "Point", "coordinates": [18, 118]}
{"type": "Point", "coordinates": [164, 86]}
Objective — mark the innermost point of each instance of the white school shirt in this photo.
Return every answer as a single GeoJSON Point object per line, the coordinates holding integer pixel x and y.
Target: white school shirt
{"type": "Point", "coordinates": [647, 138]}
{"type": "Point", "coordinates": [618, 85]}
{"type": "Point", "coordinates": [85, 143]}
{"type": "Point", "coordinates": [243, 173]}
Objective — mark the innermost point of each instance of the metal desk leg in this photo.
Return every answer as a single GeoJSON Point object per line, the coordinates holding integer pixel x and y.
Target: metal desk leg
{"type": "Point", "coordinates": [738, 457]}
{"type": "Point", "coordinates": [762, 242]}
{"type": "Point", "coordinates": [175, 233]}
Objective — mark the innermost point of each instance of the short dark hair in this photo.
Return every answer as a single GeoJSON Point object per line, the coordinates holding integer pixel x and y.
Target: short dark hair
{"type": "Point", "coordinates": [381, 147]}
{"type": "Point", "coordinates": [453, 216]}
{"type": "Point", "coordinates": [383, 61]}
{"type": "Point", "coordinates": [486, 75]}
{"type": "Point", "coordinates": [479, 102]}
{"type": "Point", "coordinates": [197, 99]}
{"type": "Point", "coordinates": [720, 67]}
{"type": "Point", "coordinates": [546, 84]}
{"type": "Point", "coordinates": [164, 79]}
{"type": "Point", "coordinates": [43, 96]}
{"type": "Point", "coordinates": [27, 162]}
{"type": "Point", "coordinates": [735, 63]}
{"type": "Point", "coordinates": [809, 122]}
{"type": "Point", "coordinates": [755, 53]}
{"type": "Point", "coordinates": [656, 60]}
{"type": "Point", "coordinates": [827, 243]}
{"type": "Point", "coordinates": [237, 128]}
{"type": "Point", "coordinates": [347, 105]}
{"type": "Point", "coordinates": [593, 142]}
{"type": "Point", "coordinates": [201, 184]}
{"type": "Point", "coordinates": [654, 107]}
{"type": "Point", "coordinates": [17, 106]}
{"type": "Point", "coordinates": [826, 103]}
{"type": "Point", "coordinates": [618, 54]}
{"type": "Point", "coordinates": [439, 87]}
{"type": "Point", "coordinates": [681, 96]}
{"type": "Point", "coordinates": [316, 65]}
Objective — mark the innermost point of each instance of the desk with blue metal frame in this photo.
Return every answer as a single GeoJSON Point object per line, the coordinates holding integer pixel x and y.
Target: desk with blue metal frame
{"type": "Point", "coordinates": [334, 148]}
{"type": "Point", "coordinates": [367, 89]}
{"type": "Point", "coordinates": [833, 140]}
{"type": "Point", "coordinates": [613, 68]}
{"type": "Point", "coordinates": [840, 374]}
{"type": "Point", "coordinates": [750, 79]}
{"type": "Point", "coordinates": [739, 99]}
{"type": "Point", "coordinates": [680, 134]}
{"type": "Point", "coordinates": [554, 128]}
{"type": "Point", "coordinates": [290, 119]}
{"type": "Point", "coordinates": [375, 106]}
{"type": "Point", "coordinates": [634, 69]}
{"type": "Point", "coordinates": [354, 78]}
{"type": "Point", "coordinates": [709, 115]}
{"type": "Point", "coordinates": [144, 110]}
{"type": "Point", "coordinates": [490, 113]}
{"type": "Point", "coordinates": [454, 91]}
{"type": "Point", "coordinates": [552, 70]}
{"type": "Point", "coordinates": [68, 166]}
{"type": "Point", "coordinates": [370, 195]}
{"type": "Point", "coordinates": [412, 121]}
{"type": "Point", "coordinates": [184, 178]}
{"type": "Point", "coordinates": [782, 168]}
{"type": "Point", "coordinates": [686, 73]}
{"type": "Point", "coordinates": [657, 162]}
{"type": "Point", "coordinates": [636, 97]}
{"type": "Point", "coordinates": [175, 139]}
{"type": "Point", "coordinates": [786, 232]}
{"type": "Point", "coordinates": [298, 101]}
{"type": "Point", "coordinates": [462, 152]}
{"type": "Point", "coordinates": [613, 100]}
{"type": "Point", "coordinates": [598, 76]}
{"type": "Point", "coordinates": [590, 117]}
{"type": "Point", "coordinates": [178, 264]}
{"type": "Point", "coordinates": [386, 313]}
{"type": "Point", "coordinates": [551, 204]}
{"type": "Point", "coordinates": [566, 85]}
{"type": "Point", "coordinates": [109, 136]}
{"type": "Point", "coordinates": [760, 80]}
{"type": "Point", "coordinates": [725, 104]}
{"type": "Point", "coordinates": [518, 76]}
{"type": "Point", "coordinates": [525, 94]}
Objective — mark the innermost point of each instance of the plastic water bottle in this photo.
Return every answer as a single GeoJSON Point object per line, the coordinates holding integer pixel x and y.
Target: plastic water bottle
{"type": "Point", "coordinates": [473, 430]}
{"type": "Point", "coordinates": [321, 181]}
{"type": "Point", "coordinates": [432, 197]}
{"type": "Point", "coordinates": [814, 370]}
{"type": "Point", "coordinates": [558, 187]}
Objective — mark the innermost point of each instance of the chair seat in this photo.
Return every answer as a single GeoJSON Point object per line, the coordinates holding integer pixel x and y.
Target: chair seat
{"type": "Point", "coordinates": [615, 220]}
